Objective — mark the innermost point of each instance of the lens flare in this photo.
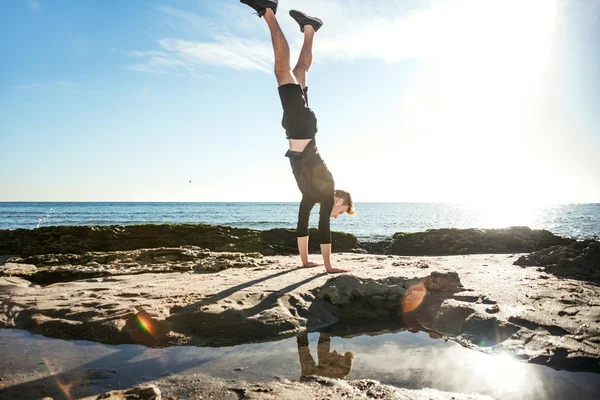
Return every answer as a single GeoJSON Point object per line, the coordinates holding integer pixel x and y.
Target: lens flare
{"type": "Point", "coordinates": [145, 323]}
{"type": "Point", "coordinates": [413, 297]}
{"type": "Point", "coordinates": [55, 371]}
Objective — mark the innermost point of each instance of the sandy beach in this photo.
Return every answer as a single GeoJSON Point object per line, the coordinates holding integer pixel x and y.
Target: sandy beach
{"type": "Point", "coordinates": [192, 296]}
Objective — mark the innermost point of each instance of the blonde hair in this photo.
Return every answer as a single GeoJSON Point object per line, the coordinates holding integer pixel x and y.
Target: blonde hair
{"type": "Point", "coordinates": [346, 200]}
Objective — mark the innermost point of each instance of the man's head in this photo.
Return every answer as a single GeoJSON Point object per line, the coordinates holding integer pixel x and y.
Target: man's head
{"type": "Point", "coordinates": [342, 203]}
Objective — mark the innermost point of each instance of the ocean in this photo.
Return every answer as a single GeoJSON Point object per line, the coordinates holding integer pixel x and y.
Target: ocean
{"type": "Point", "coordinates": [374, 221]}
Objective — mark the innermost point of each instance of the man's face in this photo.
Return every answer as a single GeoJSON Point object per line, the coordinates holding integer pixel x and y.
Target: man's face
{"type": "Point", "coordinates": [338, 210]}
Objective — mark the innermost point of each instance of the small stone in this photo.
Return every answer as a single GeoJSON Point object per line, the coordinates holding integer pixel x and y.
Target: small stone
{"type": "Point", "coordinates": [149, 392]}
{"type": "Point", "coordinates": [493, 309]}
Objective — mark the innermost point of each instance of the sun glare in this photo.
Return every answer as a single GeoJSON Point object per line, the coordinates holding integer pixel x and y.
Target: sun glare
{"type": "Point", "coordinates": [503, 214]}
{"type": "Point", "coordinates": [501, 48]}
{"type": "Point", "coordinates": [471, 109]}
{"type": "Point", "coordinates": [501, 371]}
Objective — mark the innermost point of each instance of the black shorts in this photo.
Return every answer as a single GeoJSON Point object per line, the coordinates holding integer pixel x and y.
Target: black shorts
{"type": "Point", "coordinates": [299, 120]}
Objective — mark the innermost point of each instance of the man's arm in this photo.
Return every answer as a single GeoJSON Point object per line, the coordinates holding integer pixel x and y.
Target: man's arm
{"type": "Point", "coordinates": [306, 204]}
{"type": "Point", "coordinates": [303, 250]}
{"type": "Point", "coordinates": [325, 235]}
{"type": "Point", "coordinates": [326, 252]}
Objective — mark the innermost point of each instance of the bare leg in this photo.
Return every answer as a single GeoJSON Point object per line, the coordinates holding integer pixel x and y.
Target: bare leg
{"type": "Point", "coordinates": [305, 58]}
{"type": "Point", "coordinates": [300, 73]}
{"type": "Point", "coordinates": [283, 71]}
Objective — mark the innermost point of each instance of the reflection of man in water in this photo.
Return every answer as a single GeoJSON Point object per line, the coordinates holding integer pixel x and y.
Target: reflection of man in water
{"type": "Point", "coordinates": [331, 364]}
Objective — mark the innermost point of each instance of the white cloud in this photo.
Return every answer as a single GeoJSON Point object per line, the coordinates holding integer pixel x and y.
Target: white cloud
{"type": "Point", "coordinates": [383, 30]}
{"type": "Point", "coordinates": [183, 22]}
{"type": "Point", "coordinates": [187, 57]}
{"type": "Point", "coordinates": [230, 46]}
{"type": "Point", "coordinates": [233, 52]}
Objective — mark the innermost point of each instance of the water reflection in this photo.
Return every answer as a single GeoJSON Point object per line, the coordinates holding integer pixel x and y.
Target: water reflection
{"type": "Point", "coordinates": [331, 363]}
{"type": "Point", "coordinates": [31, 364]}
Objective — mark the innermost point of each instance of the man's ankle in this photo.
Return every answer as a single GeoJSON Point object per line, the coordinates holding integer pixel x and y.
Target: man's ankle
{"type": "Point", "coordinates": [309, 29]}
{"type": "Point", "coordinates": [269, 13]}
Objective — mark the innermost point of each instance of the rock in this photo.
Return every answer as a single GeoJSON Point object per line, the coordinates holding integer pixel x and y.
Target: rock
{"type": "Point", "coordinates": [344, 289]}
{"type": "Point", "coordinates": [377, 247]}
{"type": "Point", "coordinates": [579, 260]}
{"type": "Point", "coordinates": [53, 268]}
{"type": "Point", "coordinates": [438, 282]}
{"type": "Point", "coordinates": [10, 269]}
{"type": "Point", "coordinates": [149, 392]}
{"type": "Point", "coordinates": [13, 285]}
{"type": "Point", "coordinates": [474, 241]}
{"type": "Point", "coordinates": [81, 239]}
{"type": "Point", "coordinates": [368, 299]}
{"type": "Point", "coordinates": [493, 309]}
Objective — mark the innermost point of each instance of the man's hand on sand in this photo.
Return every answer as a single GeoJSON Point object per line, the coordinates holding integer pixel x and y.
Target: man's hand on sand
{"type": "Point", "coordinates": [331, 270]}
{"type": "Point", "coordinates": [310, 265]}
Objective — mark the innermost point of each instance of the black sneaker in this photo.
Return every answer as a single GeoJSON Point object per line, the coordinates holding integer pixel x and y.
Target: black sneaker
{"type": "Point", "coordinates": [261, 5]}
{"type": "Point", "coordinates": [303, 20]}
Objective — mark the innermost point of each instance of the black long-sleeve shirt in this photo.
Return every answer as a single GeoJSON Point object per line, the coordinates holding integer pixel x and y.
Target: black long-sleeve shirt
{"type": "Point", "coordinates": [317, 186]}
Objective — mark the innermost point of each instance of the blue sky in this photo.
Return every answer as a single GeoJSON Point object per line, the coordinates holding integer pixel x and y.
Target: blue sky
{"type": "Point", "coordinates": [453, 100]}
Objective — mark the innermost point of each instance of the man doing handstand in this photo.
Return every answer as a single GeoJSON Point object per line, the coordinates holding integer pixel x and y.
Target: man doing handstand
{"type": "Point", "coordinates": [312, 175]}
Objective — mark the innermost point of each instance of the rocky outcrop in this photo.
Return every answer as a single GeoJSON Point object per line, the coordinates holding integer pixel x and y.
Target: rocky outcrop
{"type": "Point", "coordinates": [580, 260]}
{"type": "Point", "coordinates": [369, 299]}
{"type": "Point", "coordinates": [418, 303]}
{"type": "Point", "coordinates": [340, 299]}
{"type": "Point", "coordinates": [494, 305]}
{"type": "Point", "coordinates": [241, 317]}
{"type": "Point", "coordinates": [53, 268]}
{"type": "Point", "coordinates": [440, 242]}
{"type": "Point", "coordinates": [82, 239]}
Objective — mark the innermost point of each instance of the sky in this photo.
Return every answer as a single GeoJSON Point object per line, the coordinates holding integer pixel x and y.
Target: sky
{"type": "Point", "coordinates": [469, 101]}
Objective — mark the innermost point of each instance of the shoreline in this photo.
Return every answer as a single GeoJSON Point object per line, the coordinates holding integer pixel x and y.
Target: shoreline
{"type": "Point", "coordinates": [376, 221]}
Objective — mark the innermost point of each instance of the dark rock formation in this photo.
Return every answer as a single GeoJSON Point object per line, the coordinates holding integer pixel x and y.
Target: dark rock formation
{"type": "Point", "coordinates": [53, 268]}
{"type": "Point", "coordinates": [81, 239]}
{"type": "Point", "coordinates": [580, 260]}
{"type": "Point", "coordinates": [418, 303]}
{"type": "Point", "coordinates": [409, 301]}
{"type": "Point", "coordinates": [377, 247]}
{"type": "Point", "coordinates": [439, 242]}
{"type": "Point", "coordinates": [415, 302]}
{"type": "Point", "coordinates": [345, 298]}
